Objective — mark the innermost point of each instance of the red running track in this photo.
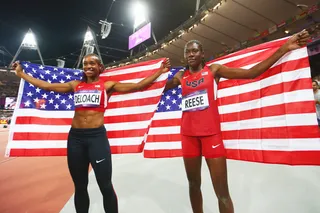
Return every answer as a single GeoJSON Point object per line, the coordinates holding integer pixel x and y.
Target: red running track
{"type": "Point", "coordinates": [33, 184]}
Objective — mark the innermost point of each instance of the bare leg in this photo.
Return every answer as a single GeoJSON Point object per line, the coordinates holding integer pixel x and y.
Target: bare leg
{"type": "Point", "coordinates": [219, 178]}
{"type": "Point", "coordinates": [193, 170]}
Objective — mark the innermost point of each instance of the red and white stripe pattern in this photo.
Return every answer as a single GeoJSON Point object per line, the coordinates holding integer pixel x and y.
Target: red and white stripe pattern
{"type": "Point", "coordinates": [36, 132]}
{"type": "Point", "coordinates": [270, 119]}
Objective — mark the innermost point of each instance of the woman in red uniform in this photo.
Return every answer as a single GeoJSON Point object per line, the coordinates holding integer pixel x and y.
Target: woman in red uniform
{"type": "Point", "coordinates": [87, 141]}
{"type": "Point", "coordinates": [200, 124]}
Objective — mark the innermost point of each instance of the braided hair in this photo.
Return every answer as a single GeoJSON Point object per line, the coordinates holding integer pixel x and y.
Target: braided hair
{"type": "Point", "coordinates": [84, 77]}
{"type": "Point", "coordinates": [203, 62]}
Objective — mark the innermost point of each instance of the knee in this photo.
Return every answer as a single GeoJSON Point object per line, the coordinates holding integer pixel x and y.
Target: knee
{"type": "Point", "coordinates": [81, 190]}
{"type": "Point", "coordinates": [225, 199]}
{"type": "Point", "coordinates": [194, 184]}
{"type": "Point", "coordinates": [80, 186]}
{"type": "Point", "coordinates": [106, 187]}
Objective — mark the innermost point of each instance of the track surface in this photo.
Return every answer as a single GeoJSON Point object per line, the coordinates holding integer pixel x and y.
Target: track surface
{"type": "Point", "coordinates": [32, 184]}
{"type": "Point", "coordinates": [43, 185]}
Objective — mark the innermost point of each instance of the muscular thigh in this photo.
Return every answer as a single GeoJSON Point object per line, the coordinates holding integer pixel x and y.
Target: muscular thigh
{"type": "Point", "coordinates": [78, 159]}
{"type": "Point", "coordinates": [100, 157]}
{"type": "Point", "coordinates": [212, 146]}
{"type": "Point", "coordinates": [193, 170]}
{"type": "Point", "coordinates": [191, 146]}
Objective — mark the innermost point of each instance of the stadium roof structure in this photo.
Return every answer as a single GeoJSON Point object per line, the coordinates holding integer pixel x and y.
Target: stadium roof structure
{"type": "Point", "coordinates": [225, 26]}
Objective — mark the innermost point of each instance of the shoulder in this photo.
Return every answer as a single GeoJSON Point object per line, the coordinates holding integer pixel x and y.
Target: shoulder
{"type": "Point", "coordinates": [214, 70]}
{"type": "Point", "coordinates": [75, 83]}
{"type": "Point", "coordinates": [180, 74]}
{"type": "Point", "coordinates": [108, 85]}
{"type": "Point", "coordinates": [214, 67]}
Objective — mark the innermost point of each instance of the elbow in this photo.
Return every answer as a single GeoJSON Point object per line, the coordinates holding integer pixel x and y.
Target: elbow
{"type": "Point", "coordinates": [46, 87]}
{"type": "Point", "coordinates": [137, 87]}
{"type": "Point", "coordinates": [140, 86]}
{"type": "Point", "coordinates": [165, 88]}
{"type": "Point", "coordinates": [256, 71]}
{"type": "Point", "coordinates": [252, 74]}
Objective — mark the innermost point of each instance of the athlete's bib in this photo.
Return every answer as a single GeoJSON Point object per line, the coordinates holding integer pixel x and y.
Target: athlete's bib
{"type": "Point", "coordinates": [195, 101]}
{"type": "Point", "coordinates": [87, 98]}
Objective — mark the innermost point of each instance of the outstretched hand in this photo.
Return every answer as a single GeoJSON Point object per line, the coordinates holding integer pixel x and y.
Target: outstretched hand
{"type": "Point", "coordinates": [297, 41]}
{"type": "Point", "coordinates": [165, 66]}
{"type": "Point", "coordinates": [17, 67]}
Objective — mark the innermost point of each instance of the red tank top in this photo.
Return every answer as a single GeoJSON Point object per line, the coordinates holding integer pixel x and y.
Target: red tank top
{"type": "Point", "coordinates": [200, 115]}
{"type": "Point", "coordinates": [90, 96]}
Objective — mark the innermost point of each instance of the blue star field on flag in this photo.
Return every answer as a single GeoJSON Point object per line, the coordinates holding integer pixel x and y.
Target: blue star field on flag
{"type": "Point", "coordinates": [171, 99]}
{"type": "Point", "coordinates": [34, 97]}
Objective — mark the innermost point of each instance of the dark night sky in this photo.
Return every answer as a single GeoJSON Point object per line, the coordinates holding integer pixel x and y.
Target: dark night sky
{"type": "Point", "coordinates": [60, 25]}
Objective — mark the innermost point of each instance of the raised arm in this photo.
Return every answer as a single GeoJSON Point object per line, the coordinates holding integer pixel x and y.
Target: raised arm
{"type": "Point", "coordinates": [296, 41]}
{"type": "Point", "coordinates": [132, 87]}
{"type": "Point", "coordinates": [56, 87]}
{"type": "Point", "coordinates": [175, 81]}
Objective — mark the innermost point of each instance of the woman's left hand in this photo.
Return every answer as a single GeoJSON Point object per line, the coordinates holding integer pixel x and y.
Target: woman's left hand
{"type": "Point", "coordinates": [165, 66]}
{"type": "Point", "coordinates": [297, 41]}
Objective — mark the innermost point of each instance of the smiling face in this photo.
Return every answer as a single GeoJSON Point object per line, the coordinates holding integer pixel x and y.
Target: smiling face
{"type": "Point", "coordinates": [92, 66]}
{"type": "Point", "coordinates": [193, 54]}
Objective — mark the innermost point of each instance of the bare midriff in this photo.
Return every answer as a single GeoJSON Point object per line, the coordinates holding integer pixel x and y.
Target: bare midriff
{"type": "Point", "coordinates": [87, 119]}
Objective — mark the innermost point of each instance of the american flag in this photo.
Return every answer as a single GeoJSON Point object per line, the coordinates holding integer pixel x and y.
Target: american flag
{"type": "Point", "coordinates": [42, 120]}
{"type": "Point", "coordinates": [270, 119]}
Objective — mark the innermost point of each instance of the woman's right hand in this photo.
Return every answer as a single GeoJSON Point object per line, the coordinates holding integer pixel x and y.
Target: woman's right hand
{"type": "Point", "coordinates": [18, 68]}
{"type": "Point", "coordinates": [56, 87]}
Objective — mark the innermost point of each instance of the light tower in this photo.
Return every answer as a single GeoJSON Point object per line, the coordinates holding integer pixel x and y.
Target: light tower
{"type": "Point", "coordinates": [29, 42]}
{"type": "Point", "coordinates": [89, 44]}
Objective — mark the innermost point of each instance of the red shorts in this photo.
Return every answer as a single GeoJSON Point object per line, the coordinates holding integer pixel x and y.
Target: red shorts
{"type": "Point", "coordinates": [208, 146]}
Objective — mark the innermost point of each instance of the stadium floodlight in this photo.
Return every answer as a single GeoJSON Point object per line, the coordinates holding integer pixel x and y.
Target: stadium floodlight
{"type": "Point", "coordinates": [139, 11]}
{"type": "Point", "coordinates": [140, 14]}
{"type": "Point", "coordinates": [89, 45]}
{"type": "Point", "coordinates": [88, 37]}
{"type": "Point", "coordinates": [29, 41]}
